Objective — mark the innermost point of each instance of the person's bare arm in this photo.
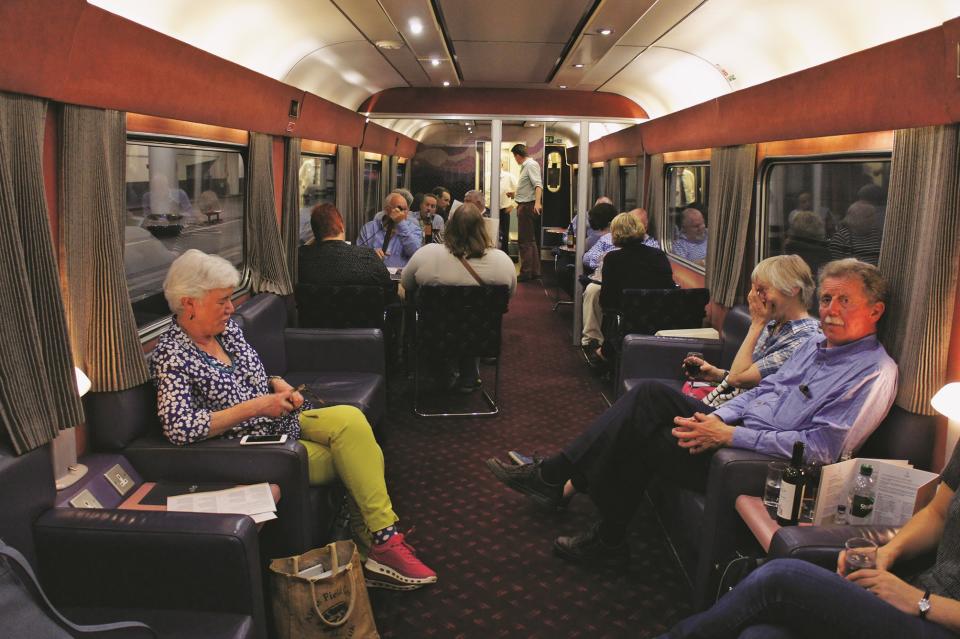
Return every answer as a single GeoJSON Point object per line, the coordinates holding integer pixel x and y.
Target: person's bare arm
{"type": "Point", "coordinates": [270, 405]}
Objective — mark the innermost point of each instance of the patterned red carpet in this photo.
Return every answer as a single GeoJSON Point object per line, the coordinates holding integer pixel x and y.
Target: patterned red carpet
{"type": "Point", "coordinates": [490, 546]}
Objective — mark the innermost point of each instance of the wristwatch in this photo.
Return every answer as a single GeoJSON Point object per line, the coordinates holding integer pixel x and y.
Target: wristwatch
{"type": "Point", "coordinates": [924, 604]}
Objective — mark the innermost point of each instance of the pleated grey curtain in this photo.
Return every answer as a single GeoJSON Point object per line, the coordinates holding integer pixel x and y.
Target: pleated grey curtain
{"type": "Point", "coordinates": [264, 248]}
{"type": "Point", "coordinates": [407, 174]}
{"type": "Point", "coordinates": [92, 192]}
{"type": "Point", "coordinates": [394, 162]}
{"type": "Point", "coordinates": [920, 260]}
{"type": "Point", "coordinates": [653, 196]}
{"type": "Point", "coordinates": [611, 172]}
{"type": "Point", "coordinates": [732, 170]}
{"type": "Point", "coordinates": [640, 174]}
{"type": "Point", "coordinates": [38, 392]}
{"type": "Point", "coordinates": [290, 216]}
{"type": "Point", "coordinates": [346, 190]}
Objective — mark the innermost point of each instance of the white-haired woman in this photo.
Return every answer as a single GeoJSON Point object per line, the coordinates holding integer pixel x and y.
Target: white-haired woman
{"type": "Point", "coordinates": [211, 383]}
{"type": "Point", "coordinates": [781, 292]}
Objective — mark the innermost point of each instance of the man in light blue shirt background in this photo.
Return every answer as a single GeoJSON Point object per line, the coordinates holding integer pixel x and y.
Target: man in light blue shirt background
{"type": "Point", "coordinates": [394, 238]}
{"type": "Point", "coordinates": [830, 395]}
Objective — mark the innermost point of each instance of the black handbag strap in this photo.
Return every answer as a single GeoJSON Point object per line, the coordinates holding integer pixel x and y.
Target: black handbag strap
{"type": "Point", "coordinates": [13, 555]}
{"type": "Point", "coordinates": [469, 268]}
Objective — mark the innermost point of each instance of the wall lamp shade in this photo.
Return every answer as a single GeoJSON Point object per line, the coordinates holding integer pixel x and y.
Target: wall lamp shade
{"type": "Point", "coordinates": [65, 466]}
{"type": "Point", "coordinates": [947, 401]}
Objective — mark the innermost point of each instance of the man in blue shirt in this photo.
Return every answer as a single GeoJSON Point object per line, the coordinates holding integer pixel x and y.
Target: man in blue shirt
{"type": "Point", "coordinates": [691, 242]}
{"type": "Point", "coordinates": [394, 238]}
{"type": "Point", "coordinates": [830, 395]}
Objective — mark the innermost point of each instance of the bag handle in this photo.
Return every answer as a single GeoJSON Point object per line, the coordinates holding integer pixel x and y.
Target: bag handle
{"type": "Point", "coordinates": [13, 554]}
{"type": "Point", "coordinates": [353, 591]}
{"type": "Point", "coordinates": [467, 266]}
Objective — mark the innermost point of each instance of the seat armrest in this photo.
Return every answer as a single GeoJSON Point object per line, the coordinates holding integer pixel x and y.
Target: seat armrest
{"type": "Point", "coordinates": [352, 350]}
{"type": "Point", "coordinates": [821, 544]}
{"type": "Point", "coordinates": [225, 460]}
{"type": "Point", "coordinates": [652, 357]}
{"type": "Point", "coordinates": [733, 472]}
{"type": "Point", "coordinates": [151, 559]}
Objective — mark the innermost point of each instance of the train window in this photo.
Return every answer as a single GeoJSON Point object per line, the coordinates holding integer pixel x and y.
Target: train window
{"type": "Point", "coordinates": [628, 187]}
{"type": "Point", "coordinates": [178, 197]}
{"type": "Point", "coordinates": [554, 168]}
{"type": "Point", "coordinates": [596, 184]}
{"type": "Point", "coordinates": [687, 187]}
{"type": "Point", "coordinates": [371, 188]}
{"type": "Point", "coordinates": [824, 210]}
{"type": "Point", "coordinates": [318, 185]}
{"type": "Point", "coordinates": [401, 175]}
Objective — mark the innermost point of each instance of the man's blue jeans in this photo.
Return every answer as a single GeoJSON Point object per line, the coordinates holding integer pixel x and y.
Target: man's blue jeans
{"type": "Point", "coordinates": [790, 598]}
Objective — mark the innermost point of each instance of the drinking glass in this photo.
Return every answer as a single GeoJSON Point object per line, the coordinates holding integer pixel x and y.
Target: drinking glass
{"type": "Point", "coordinates": [861, 553]}
{"type": "Point", "coordinates": [692, 370]}
{"type": "Point", "coordinates": [771, 490]}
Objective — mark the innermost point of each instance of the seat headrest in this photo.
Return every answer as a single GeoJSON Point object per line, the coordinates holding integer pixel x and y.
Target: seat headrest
{"type": "Point", "coordinates": [114, 419]}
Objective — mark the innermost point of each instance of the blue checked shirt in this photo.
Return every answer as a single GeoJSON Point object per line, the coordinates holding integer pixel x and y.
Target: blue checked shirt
{"type": "Point", "coordinates": [772, 351]}
{"type": "Point", "coordinates": [831, 399]}
{"type": "Point", "coordinates": [591, 259]}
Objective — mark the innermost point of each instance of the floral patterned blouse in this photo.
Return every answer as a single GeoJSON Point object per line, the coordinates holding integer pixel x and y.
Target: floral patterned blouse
{"type": "Point", "coordinates": [192, 384]}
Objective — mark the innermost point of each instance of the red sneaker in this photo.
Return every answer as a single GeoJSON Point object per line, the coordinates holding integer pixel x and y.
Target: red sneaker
{"type": "Point", "coordinates": [395, 565]}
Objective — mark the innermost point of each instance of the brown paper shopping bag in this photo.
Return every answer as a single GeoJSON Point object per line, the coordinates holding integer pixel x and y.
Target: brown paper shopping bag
{"type": "Point", "coordinates": [321, 594]}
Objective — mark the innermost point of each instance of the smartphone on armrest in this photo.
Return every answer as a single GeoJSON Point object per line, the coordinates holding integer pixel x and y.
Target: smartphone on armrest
{"type": "Point", "coordinates": [254, 440]}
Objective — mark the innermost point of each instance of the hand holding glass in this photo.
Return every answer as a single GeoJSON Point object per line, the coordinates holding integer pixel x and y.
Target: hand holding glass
{"type": "Point", "coordinates": [860, 553]}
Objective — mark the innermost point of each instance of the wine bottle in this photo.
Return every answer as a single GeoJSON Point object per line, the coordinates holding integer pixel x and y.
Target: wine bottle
{"type": "Point", "coordinates": [792, 487]}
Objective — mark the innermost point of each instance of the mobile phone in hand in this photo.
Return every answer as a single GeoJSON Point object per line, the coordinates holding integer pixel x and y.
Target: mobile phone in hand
{"type": "Point", "coordinates": [255, 440]}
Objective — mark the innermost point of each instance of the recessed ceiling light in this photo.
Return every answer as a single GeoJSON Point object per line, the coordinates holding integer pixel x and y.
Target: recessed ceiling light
{"type": "Point", "coordinates": [563, 86]}
{"type": "Point", "coordinates": [389, 45]}
{"type": "Point", "coordinates": [416, 27]}
{"type": "Point", "coordinates": [435, 62]}
{"type": "Point", "coordinates": [446, 83]}
{"type": "Point", "coordinates": [605, 31]}
{"type": "Point", "coordinates": [578, 65]}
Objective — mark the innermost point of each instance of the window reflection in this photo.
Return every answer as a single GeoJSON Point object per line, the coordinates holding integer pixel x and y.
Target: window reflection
{"type": "Point", "coordinates": [178, 197]}
{"type": "Point", "coordinates": [318, 185]}
{"type": "Point", "coordinates": [826, 210]}
{"type": "Point", "coordinates": [687, 200]}
{"type": "Point", "coordinates": [371, 188]}
{"type": "Point", "coordinates": [628, 188]}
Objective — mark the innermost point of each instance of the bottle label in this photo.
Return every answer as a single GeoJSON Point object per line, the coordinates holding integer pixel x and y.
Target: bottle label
{"type": "Point", "coordinates": [862, 506]}
{"type": "Point", "coordinates": [785, 504]}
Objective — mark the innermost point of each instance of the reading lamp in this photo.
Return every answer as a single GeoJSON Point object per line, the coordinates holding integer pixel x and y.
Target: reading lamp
{"type": "Point", "coordinates": [65, 466]}
{"type": "Point", "coordinates": [947, 402]}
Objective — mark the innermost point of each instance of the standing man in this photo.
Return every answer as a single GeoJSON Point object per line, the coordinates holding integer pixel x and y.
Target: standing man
{"type": "Point", "coordinates": [508, 188]}
{"type": "Point", "coordinates": [529, 207]}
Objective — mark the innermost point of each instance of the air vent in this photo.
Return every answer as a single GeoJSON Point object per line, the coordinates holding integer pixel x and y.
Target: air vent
{"type": "Point", "coordinates": [294, 109]}
{"type": "Point", "coordinates": [389, 45]}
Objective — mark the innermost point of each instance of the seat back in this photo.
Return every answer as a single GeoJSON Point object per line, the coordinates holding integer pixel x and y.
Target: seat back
{"type": "Point", "coordinates": [117, 418]}
{"type": "Point", "coordinates": [340, 306]}
{"type": "Point", "coordinates": [263, 320]}
{"type": "Point", "coordinates": [648, 310]}
{"type": "Point", "coordinates": [734, 330]}
{"type": "Point", "coordinates": [902, 435]}
{"type": "Point", "coordinates": [26, 491]}
{"type": "Point", "coordinates": [460, 321]}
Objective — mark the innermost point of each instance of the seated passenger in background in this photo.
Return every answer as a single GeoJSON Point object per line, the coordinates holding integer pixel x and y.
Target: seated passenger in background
{"type": "Point", "coordinates": [476, 198]}
{"type": "Point", "coordinates": [691, 242]}
{"type": "Point", "coordinates": [806, 238]}
{"type": "Point", "coordinates": [859, 233]}
{"type": "Point", "coordinates": [633, 265]}
{"type": "Point", "coordinates": [466, 245]}
{"type": "Point", "coordinates": [211, 383]}
{"type": "Point", "coordinates": [407, 195]}
{"type": "Point", "coordinates": [599, 217]}
{"type": "Point", "coordinates": [830, 395]}
{"type": "Point", "coordinates": [431, 225]}
{"type": "Point", "coordinates": [330, 260]}
{"type": "Point", "coordinates": [592, 236]}
{"type": "Point", "coordinates": [390, 234]}
{"type": "Point", "coordinates": [592, 336]}
{"type": "Point", "coordinates": [792, 598]}
{"type": "Point", "coordinates": [443, 201]}
{"type": "Point", "coordinates": [781, 292]}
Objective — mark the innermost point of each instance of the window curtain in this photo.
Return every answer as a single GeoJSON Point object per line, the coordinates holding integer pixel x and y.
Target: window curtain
{"type": "Point", "coordinates": [653, 196]}
{"type": "Point", "coordinates": [732, 170]}
{"type": "Point", "coordinates": [611, 171]}
{"type": "Point", "coordinates": [92, 192]}
{"type": "Point", "coordinates": [264, 252]}
{"type": "Point", "coordinates": [290, 218]}
{"type": "Point", "coordinates": [920, 261]}
{"type": "Point", "coordinates": [385, 184]}
{"type": "Point", "coordinates": [346, 190]}
{"type": "Point", "coordinates": [407, 174]}
{"type": "Point", "coordinates": [394, 162]}
{"type": "Point", "coordinates": [641, 202]}
{"type": "Point", "coordinates": [38, 392]}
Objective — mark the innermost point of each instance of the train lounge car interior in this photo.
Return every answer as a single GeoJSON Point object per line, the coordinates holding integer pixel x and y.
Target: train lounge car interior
{"type": "Point", "coordinates": [819, 128]}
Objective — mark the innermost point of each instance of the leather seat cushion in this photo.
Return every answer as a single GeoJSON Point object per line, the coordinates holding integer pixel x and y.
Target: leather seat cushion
{"type": "Point", "coordinates": [171, 624]}
{"type": "Point", "coordinates": [366, 391]}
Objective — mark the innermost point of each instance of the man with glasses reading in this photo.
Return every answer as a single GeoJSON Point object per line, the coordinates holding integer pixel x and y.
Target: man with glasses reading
{"type": "Point", "coordinates": [830, 395]}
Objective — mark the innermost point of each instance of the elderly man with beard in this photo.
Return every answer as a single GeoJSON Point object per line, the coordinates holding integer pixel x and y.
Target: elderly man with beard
{"type": "Point", "coordinates": [691, 242]}
{"type": "Point", "coordinates": [830, 395]}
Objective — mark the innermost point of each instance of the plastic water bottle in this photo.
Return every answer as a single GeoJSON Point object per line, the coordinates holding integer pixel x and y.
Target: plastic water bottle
{"type": "Point", "coordinates": [863, 495]}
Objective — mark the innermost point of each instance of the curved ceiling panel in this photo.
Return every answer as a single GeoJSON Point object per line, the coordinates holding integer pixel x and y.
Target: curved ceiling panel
{"type": "Point", "coordinates": [346, 73]}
